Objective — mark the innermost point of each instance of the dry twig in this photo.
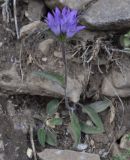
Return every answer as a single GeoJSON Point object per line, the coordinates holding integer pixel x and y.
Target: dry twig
{"type": "Point", "coordinates": [15, 19]}
{"type": "Point", "coordinates": [32, 143]}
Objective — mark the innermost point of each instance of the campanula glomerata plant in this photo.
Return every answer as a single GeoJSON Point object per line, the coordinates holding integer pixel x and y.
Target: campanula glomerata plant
{"type": "Point", "coordinates": [64, 24]}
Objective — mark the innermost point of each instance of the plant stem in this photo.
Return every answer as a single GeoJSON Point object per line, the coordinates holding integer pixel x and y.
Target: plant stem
{"type": "Point", "coordinates": [63, 47]}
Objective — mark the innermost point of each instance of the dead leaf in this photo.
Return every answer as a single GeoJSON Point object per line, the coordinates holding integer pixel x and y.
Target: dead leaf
{"type": "Point", "coordinates": [30, 59]}
{"type": "Point", "coordinates": [112, 113]}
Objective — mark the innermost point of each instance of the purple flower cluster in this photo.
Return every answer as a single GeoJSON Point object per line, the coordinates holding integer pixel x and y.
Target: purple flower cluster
{"type": "Point", "coordinates": [64, 22]}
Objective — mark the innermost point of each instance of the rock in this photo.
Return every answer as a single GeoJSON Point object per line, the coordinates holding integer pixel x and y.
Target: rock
{"type": "Point", "coordinates": [86, 35]}
{"type": "Point", "coordinates": [116, 84]}
{"type": "Point", "coordinates": [82, 147]}
{"type": "Point", "coordinates": [125, 142]}
{"type": "Point", "coordinates": [55, 154]}
{"type": "Point", "coordinates": [58, 54]}
{"type": "Point", "coordinates": [29, 28]}
{"type": "Point", "coordinates": [118, 81]}
{"type": "Point", "coordinates": [36, 10]}
{"type": "Point", "coordinates": [45, 46]}
{"type": "Point", "coordinates": [11, 82]}
{"type": "Point", "coordinates": [107, 15]}
{"type": "Point", "coordinates": [74, 4]}
{"type": "Point", "coordinates": [29, 153]}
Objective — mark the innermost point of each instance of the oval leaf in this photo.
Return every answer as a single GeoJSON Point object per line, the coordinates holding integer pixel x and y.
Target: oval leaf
{"type": "Point", "coordinates": [55, 121]}
{"type": "Point", "coordinates": [94, 117]}
{"type": "Point", "coordinates": [51, 138]}
{"type": "Point", "coordinates": [52, 77]}
{"type": "Point", "coordinates": [52, 107]}
{"type": "Point", "coordinates": [100, 106]}
{"type": "Point", "coordinates": [75, 128]}
{"type": "Point", "coordinates": [90, 130]}
{"type": "Point", "coordinates": [41, 136]}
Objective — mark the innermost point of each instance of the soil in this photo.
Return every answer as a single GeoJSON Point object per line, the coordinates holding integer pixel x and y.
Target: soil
{"type": "Point", "coordinates": [17, 112]}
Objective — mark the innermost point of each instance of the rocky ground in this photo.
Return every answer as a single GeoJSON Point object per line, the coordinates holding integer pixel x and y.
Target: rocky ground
{"type": "Point", "coordinates": [98, 67]}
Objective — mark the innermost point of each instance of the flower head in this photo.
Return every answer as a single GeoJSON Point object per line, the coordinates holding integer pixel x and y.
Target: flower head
{"type": "Point", "coordinates": [64, 22]}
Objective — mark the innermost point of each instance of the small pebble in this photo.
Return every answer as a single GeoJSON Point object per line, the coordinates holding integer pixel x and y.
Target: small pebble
{"type": "Point", "coordinates": [29, 153]}
{"type": "Point", "coordinates": [89, 123]}
{"type": "Point", "coordinates": [81, 147]}
{"type": "Point", "coordinates": [44, 59]}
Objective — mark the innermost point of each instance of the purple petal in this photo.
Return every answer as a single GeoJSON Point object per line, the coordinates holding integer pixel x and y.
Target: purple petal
{"type": "Point", "coordinates": [56, 30]}
{"type": "Point", "coordinates": [66, 11]}
{"type": "Point", "coordinates": [79, 28]}
{"type": "Point", "coordinates": [50, 19]}
{"type": "Point", "coordinates": [65, 22]}
{"type": "Point", "coordinates": [73, 16]}
{"type": "Point", "coordinates": [52, 25]}
{"type": "Point", "coordinates": [72, 30]}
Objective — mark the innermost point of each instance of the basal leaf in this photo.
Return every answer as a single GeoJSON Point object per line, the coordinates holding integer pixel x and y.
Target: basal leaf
{"type": "Point", "coordinates": [94, 117]}
{"type": "Point", "coordinates": [99, 106]}
{"type": "Point", "coordinates": [51, 138]}
{"type": "Point", "coordinates": [90, 130]}
{"type": "Point", "coordinates": [75, 128]}
{"type": "Point", "coordinates": [52, 107]}
{"type": "Point", "coordinates": [55, 77]}
{"type": "Point", "coordinates": [55, 121]}
{"type": "Point", "coordinates": [41, 136]}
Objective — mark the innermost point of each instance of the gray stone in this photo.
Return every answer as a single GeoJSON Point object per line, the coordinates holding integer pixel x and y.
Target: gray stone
{"type": "Point", "coordinates": [125, 143]}
{"type": "Point", "coordinates": [45, 46]}
{"type": "Point", "coordinates": [58, 54]}
{"type": "Point", "coordinates": [11, 82]}
{"type": "Point", "coordinates": [29, 28]}
{"type": "Point", "coordinates": [36, 10]}
{"type": "Point", "coordinates": [55, 154]}
{"type": "Point", "coordinates": [107, 15]}
{"type": "Point", "coordinates": [86, 35]}
{"type": "Point", "coordinates": [117, 83]}
{"type": "Point", "coordinates": [74, 4]}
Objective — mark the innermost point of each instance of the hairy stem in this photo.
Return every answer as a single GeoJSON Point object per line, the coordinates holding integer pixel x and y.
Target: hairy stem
{"type": "Point", "coordinates": [63, 47]}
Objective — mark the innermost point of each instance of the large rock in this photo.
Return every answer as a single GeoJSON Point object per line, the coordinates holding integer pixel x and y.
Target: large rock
{"type": "Point", "coordinates": [117, 83]}
{"type": "Point", "coordinates": [36, 10]}
{"type": "Point", "coordinates": [55, 154]}
{"type": "Point", "coordinates": [107, 15]}
{"type": "Point", "coordinates": [11, 82]}
{"type": "Point", "coordinates": [74, 4]}
{"type": "Point", "coordinates": [45, 46]}
{"type": "Point", "coordinates": [30, 28]}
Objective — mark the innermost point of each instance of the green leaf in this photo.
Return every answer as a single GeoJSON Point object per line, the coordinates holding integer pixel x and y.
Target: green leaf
{"type": "Point", "coordinates": [100, 106]}
{"type": "Point", "coordinates": [52, 107]}
{"type": "Point", "coordinates": [52, 77]}
{"type": "Point", "coordinates": [55, 121]}
{"type": "Point", "coordinates": [75, 128]}
{"type": "Point", "coordinates": [41, 136]}
{"type": "Point", "coordinates": [51, 138]}
{"type": "Point", "coordinates": [90, 130]}
{"type": "Point", "coordinates": [98, 128]}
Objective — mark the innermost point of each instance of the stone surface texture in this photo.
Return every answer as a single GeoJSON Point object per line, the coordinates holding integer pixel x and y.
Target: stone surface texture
{"type": "Point", "coordinates": [55, 154]}
{"type": "Point", "coordinates": [36, 9]}
{"type": "Point", "coordinates": [74, 4]}
{"type": "Point", "coordinates": [108, 14]}
{"type": "Point", "coordinates": [117, 83]}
